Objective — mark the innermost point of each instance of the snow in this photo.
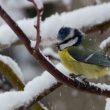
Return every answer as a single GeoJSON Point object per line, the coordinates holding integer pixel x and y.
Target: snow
{"type": "Point", "coordinates": [84, 17]}
{"type": "Point", "coordinates": [101, 86]}
{"type": "Point", "coordinates": [13, 65]}
{"type": "Point", "coordinates": [39, 4]}
{"type": "Point", "coordinates": [43, 106]}
{"type": "Point", "coordinates": [33, 43]}
{"type": "Point", "coordinates": [107, 106]}
{"type": "Point", "coordinates": [104, 43]}
{"type": "Point", "coordinates": [8, 37]}
{"type": "Point", "coordinates": [49, 51]}
{"type": "Point", "coordinates": [13, 100]}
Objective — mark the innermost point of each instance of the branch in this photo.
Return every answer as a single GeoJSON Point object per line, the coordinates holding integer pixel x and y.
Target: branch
{"type": "Point", "coordinates": [101, 22]}
{"type": "Point", "coordinates": [47, 65]}
{"type": "Point", "coordinates": [39, 9]}
{"type": "Point", "coordinates": [78, 84]}
{"type": "Point", "coordinates": [11, 23]}
{"type": "Point", "coordinates": [34, 92]}
{"type": "Point", "coordinates": [12, 72]}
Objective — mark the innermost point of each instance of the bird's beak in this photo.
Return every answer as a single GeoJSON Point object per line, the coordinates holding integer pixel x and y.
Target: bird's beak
{"type": "Point", "coordinates": [57, 45]}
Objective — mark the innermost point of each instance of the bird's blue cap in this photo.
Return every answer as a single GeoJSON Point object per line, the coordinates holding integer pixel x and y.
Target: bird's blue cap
{"type": "Point", "coordinates": [63, 33]}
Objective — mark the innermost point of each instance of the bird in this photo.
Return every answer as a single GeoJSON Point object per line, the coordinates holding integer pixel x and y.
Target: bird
{"type": "Point", "coordinates": [77, 57]}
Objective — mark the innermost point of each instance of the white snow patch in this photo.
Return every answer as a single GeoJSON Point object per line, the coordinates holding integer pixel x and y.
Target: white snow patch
{"type": "Point", "coordinates": [7, 36]}
{"type": "Point", "coordinates": [13, 100]}
{"type": "Point", "coordinates": [83, 17]}
{"type": "Point", "coordinates": [13, 65]}
{"type": "Point", "coordinates": [104, 43]}
{"type": "Point", "coordinates": [107, 106]}
{"type": "Point", "coordinates": [33, 43]}
{"type": "Point", "coordinates": [49, 51]}
{"type": "Point", "coordinates": [101, 86]}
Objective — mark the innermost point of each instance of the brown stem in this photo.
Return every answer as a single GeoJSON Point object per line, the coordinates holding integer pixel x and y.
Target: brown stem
{"type": "Point", "coordinates": [37, 26]}
{"type": "Point", "coordinates": [48, 66]}
{"type": "Point", "coordinates": [45, 93]}
{"type": "Point", "coordinates": [38, 39]}
{"type": "Point", "coordinates": [11, 23]}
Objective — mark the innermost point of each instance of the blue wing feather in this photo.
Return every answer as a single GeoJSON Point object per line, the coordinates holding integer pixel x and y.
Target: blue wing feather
{"type": "Point", "coordinates": [89, 56]}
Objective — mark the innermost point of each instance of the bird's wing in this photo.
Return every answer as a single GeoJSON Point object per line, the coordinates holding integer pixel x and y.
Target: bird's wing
{"type": "Point", "coordinates": [90, 57]}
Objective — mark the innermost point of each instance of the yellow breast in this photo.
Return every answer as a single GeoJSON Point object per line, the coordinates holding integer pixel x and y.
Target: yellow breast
{"type": "Point", "coordinates": [76, 67]}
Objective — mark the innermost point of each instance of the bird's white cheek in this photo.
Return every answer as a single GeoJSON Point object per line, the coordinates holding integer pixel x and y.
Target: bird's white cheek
{"type": "Point", "coordinates": [69, 43]}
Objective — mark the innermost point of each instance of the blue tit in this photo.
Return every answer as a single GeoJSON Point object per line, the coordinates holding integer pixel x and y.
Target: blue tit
{"type": "Point", "coordinates": [77, 57]}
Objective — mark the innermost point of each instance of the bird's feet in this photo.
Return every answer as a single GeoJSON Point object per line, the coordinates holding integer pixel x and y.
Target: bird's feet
{"type": "Point", "coordinates": [84, 80]}
{"type": "Point", "coordinates": [72, 75]}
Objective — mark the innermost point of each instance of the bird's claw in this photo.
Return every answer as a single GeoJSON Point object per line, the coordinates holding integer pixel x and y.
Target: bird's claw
{"type": "Point", "coordinates": [74, 75]}
{"type": "Point", "coordinates": [85, 81]}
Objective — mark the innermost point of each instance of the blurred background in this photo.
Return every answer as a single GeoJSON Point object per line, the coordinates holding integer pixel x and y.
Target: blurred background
{"type": "Point", "coordinates": [63, 98]}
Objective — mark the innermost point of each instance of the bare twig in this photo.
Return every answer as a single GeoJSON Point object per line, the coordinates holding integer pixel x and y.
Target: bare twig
{"type": "Point", "coordinates": [87, 87]}
{"type": "Point", "coordinates": [88, 29]}
{"type": "Point", "coordinates": [37, 26]}
{"type": "Point", "coordinates": [48, 66]}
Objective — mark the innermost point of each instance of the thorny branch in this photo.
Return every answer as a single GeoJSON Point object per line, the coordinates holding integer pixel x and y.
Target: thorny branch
{"type": "Point", "coordinates": [74, 83]}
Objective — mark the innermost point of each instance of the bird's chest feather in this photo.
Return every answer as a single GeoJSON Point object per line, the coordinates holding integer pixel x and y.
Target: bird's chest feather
{"type": "Point", "coordinates": [79, 67]}
{"type": "Point", "coordinates": [67, 60]}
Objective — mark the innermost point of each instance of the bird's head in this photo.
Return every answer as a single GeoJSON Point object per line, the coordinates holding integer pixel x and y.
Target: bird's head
{"type": "Point", "coordinates": [68, 37]}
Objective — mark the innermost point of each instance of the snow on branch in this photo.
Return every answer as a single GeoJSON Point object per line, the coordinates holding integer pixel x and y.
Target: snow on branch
{"type": "Point", "coordinates": [49, 52]}
{"type": "Point", "coordinates": [107, 106]}
{"type": "Point", "coordinates": [37, 54]}
{"type": "Point", "coordinates": [34, 91]}
{"type": "Point", "coordinates": [105, 44]}
{"type": "Point", "coordinates": [76, 19]}
{"type": "Point", "coordinates": [12, 72]}
{"type": "Point", "coordinates": [10, 37]}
